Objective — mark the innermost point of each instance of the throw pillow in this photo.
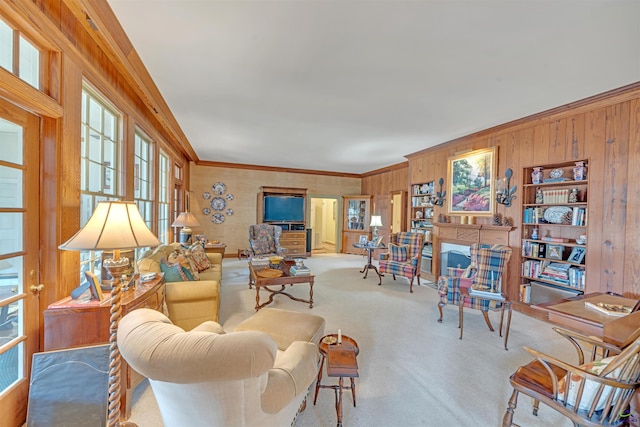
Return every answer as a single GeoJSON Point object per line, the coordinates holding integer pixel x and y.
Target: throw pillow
{"type": "Point", "coordinates": [174, 272]}
{"type": "Point", "coordinates": [590, 387]}
{"type": "Point", "coordinates": [398, 252]}
{"type": "Point", "coordinates": [199, 257]}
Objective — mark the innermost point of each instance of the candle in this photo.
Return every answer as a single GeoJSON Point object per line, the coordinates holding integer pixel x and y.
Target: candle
{"type": "Point", "coordinates": [339, 336]}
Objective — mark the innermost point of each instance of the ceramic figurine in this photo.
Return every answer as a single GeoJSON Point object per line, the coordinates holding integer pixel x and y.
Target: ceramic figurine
{"type": "Point", "coordinates": [573, 195]}
{"type": "Point", "coordinates": [534, 234]}
{"type": "Point", "coordinates": [539, 196]}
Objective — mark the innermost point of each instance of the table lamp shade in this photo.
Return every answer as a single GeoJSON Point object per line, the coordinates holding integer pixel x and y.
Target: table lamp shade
{"type": "Point", "coordinates": [186, 219]}
{"type": "Point", "coordinates": [113, 226]}
{"type": "Point", "coordinates": [376, 221]}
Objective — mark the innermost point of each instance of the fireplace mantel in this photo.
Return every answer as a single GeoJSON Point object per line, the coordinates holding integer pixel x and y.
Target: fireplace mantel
{"type": "Point", "coordinates": [466, 234]}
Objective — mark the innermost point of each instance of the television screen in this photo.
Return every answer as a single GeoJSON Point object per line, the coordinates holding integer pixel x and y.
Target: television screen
{"type": "Point", "coordinates": [283, 208]}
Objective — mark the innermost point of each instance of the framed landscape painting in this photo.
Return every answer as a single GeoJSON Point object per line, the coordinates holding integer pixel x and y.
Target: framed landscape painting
{"type": "Point", "coordinates": [471, 182]}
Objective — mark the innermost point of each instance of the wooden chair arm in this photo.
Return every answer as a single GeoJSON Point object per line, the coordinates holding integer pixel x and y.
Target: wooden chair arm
{"type": "Point", "coordinates": [576, 371]}
{"type": "Point", "coordinates": [575, 338]}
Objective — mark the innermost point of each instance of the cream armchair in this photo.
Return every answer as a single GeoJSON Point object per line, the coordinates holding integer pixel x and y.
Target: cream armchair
{"type": "Point", "coordinates": [189, 303]}
{"type": "Point", "coordinates": [205, 377]}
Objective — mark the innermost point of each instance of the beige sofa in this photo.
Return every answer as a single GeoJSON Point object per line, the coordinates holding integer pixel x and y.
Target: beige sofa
{"type": "Point", "coordinates": [189, 303]}
{"type": "Point", "coordinates": [206, 377]}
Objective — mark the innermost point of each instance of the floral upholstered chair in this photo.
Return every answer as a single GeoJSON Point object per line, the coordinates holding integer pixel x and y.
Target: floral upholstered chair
{"type": "Point", "coordinates": [495, 263]}
{"type": "Point", "coordinates": [403, 258]}
{"type": "Point", "coordinates": [264, 240]}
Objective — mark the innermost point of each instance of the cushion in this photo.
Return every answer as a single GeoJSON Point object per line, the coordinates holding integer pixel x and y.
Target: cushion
{"type": "Point", "coordinates": [398, 252]}
{"type": "Point", "coordinates": [199, 257]}
{"type": "Point", "coordinates": [590, 387]}
{"type": "Point", "coordinates": [179, 255]}
{"type": "Point", "coordinates": [174, 272]}
{"type": "Point", "coordinates": [262, 247]}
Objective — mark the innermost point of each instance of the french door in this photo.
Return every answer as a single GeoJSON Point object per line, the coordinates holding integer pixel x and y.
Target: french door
{"type": "Point", "coordinates": [19, 245]}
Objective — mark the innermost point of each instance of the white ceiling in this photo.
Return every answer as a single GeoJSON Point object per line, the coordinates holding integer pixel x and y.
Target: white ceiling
{"type": "Point", "coordinates": [355, 85]}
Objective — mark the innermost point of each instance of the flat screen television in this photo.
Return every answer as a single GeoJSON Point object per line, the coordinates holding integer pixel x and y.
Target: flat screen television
{"type": "Point", "coordinates": [283, 209]}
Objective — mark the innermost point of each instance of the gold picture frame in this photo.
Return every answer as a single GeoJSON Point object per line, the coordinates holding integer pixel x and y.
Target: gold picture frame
{"type": "Point", "coordinates": [471, 182]}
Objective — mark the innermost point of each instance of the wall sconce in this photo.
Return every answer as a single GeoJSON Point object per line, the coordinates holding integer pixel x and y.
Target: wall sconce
{"type": "Point", "coordinates": [438, 198]}
{"type": "Point", "coordinates": [504, 191]}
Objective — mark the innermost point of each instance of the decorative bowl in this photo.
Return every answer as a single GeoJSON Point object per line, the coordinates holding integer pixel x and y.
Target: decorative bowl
{"type": "Point", "coordinates": [556, 173]}
{"type": "Point", "coordinates": [275, 260]}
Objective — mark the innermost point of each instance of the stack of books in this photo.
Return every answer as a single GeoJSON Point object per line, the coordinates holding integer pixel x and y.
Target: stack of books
{"type": "Point", "coordinates": [259, 262]}
{"type": "Point", "coordinates": [557, 272]}
{"type": "Point", "coordinates": [299, 270]}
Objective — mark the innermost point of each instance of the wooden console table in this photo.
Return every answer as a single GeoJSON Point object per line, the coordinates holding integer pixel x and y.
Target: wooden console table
{"type": "Point", "coordinates": [68, 324]}
{"type": "Point", "coordinates": [571, 313]}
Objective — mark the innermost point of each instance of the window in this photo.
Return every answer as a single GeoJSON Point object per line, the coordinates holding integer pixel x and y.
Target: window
{"type": "Point", "coordinates": [27, 64]}
{"type": "Point", "coordinates": [164, 198]}
{"type": "Point", "coordinates": [100, 168]}
{"type": "Point", "coordinates": [142, 174]}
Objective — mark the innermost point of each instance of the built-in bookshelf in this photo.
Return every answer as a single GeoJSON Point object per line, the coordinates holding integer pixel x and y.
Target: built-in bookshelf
{"type": "Point", "coordinates": [422, 221]}
{"type": "Point", "coordinates": [554, 226]}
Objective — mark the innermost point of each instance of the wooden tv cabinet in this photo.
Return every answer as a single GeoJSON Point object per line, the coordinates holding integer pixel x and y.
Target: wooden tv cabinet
{"type": "Point", "coordinates": [72, 325]}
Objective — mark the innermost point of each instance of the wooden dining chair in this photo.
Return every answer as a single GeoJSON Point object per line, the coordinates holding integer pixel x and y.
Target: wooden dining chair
{"type": "Point", "coordinates": [597, 393]}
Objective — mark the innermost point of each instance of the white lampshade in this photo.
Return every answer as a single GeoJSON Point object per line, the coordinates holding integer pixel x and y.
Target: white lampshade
{"type": "Point", "coordinates": [376, 221]}
{"type": "Point", "coordinates": [113, 226]}
{"type": "Point", "coordinates": [186, 219]}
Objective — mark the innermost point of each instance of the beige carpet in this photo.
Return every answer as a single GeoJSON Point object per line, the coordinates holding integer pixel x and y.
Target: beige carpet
{"type": "Point", "coordinates": [413, 370]}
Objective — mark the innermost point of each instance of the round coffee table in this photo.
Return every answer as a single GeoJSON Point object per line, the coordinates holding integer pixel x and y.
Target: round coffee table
{"type": "Point", "coordinates": [350, 343]}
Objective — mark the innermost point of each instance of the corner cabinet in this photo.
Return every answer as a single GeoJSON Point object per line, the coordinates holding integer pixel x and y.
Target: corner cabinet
{"type": "Point", "coordinates": [356, 217]}
{"type": "Point", "coordinates": [422, 222]}
{"type": "Point", "coordinates": [554, 226]}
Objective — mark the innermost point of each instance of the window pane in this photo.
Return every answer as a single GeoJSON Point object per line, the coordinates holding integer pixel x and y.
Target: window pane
{"type": "Point", "coordinates": [11, 362]}
{"type": "Point", "coordinates": [10, 141]}
{"type": "Point", "coordinates": [95, 114]}
{"type": "Point", "coordinates": [10, 187]}
{"type": "Point", "coordinates": [10, 232]}
{"type": "Point", "coordinates": [29, 63]}
{"type": "Point", "coordinates": [11, 280]}
{"type": "Point", "coordinates": [95, 177]}
{"type": "Point", "coordinates": [109, 125]}
{"type": "Point", "coordinates": [6, 47]}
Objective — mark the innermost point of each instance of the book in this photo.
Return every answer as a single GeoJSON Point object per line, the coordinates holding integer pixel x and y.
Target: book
{"type": "Point", "coordinates": [609, 309]}
{"type": "Point", "coordinates": [297, 271]}
{"type": "Point", "coordinates": [485, 294]}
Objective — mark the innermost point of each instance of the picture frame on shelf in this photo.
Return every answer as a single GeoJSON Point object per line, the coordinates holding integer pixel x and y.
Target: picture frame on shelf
{"type": "Point", "coordinates": [471, 182]}
{"type": "Point", "coordinates": [363, 239]}
{"type": "Point", "coordinates": [94, 286]}
{"type": "Point", "coordinates": [377, 242]}
{"type": "Point", "coordinates": [577, 255]}
{"type": "Point", "coordinates": [554, 252]}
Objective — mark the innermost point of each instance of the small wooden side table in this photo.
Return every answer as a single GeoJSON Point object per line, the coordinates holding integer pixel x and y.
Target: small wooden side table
{"type": "Point", "coordinates": [342, 364]}
{"type": "Point", "coordinates": [215, 248]}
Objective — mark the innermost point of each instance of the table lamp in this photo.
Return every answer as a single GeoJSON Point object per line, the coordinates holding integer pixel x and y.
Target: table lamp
{"type": "Point", "coordinates": [376, 221]}
{"type": "Point", "coordinates": [113, 226]}
{"type": "Point", "coordinates": [186, 220]}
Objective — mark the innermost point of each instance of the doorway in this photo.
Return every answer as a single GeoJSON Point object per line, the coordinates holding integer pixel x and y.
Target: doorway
{"type": "Point", "coordinates": [323, 222]}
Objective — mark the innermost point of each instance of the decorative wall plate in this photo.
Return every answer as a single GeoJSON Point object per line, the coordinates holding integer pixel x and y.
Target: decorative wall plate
{"type": "Point", "coordinates": [206, 211]}
{"type": "Point", "coordinates": [206, 195]}
{"type": "Point", "coordinates": [219, 188]}
{"type": "Point", "coordinates": [229, 196]}
{"type": "Point", "coordinates": [558, 215]}
{"type": "Point", "coordinates": [218, 203]}
{"type": "Point", "coordinates": [556, 173]}
{"type": "Point", "coordinates": [229, 212]}
{"type": "Point", "coordinates": [217, 218]}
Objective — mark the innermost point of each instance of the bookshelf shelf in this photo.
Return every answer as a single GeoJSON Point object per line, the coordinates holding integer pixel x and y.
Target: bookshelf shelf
{"type": "Point", "coordinates": [555, 216]}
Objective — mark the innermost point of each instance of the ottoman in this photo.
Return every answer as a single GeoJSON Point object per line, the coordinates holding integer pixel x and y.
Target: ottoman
{"type": "Point", "coordinates": [285, 326]}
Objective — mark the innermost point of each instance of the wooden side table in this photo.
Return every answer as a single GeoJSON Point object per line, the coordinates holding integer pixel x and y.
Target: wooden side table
{"type": "Point", "coordinates": [68, 324]}
{"type": "Point", "coordinates": [212, 248]}
{"type": "Point", "coordinates": [341, 363]}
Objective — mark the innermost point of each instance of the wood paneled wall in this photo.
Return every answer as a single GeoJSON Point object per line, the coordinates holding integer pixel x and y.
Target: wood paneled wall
{"type": "Point", "coordinates": [244, 184]}
{"type": "Point", "coordinates": [606, 130]}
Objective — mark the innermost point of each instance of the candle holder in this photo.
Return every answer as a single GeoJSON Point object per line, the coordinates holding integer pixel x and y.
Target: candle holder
{"type": "Point", "coordinates": [504, 191]}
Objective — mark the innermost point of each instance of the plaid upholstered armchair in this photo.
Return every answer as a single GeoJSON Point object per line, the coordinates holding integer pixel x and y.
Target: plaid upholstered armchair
{"type": "Point", "coordinates": [264, 240]}
{"type": "Point", "coordinates": [403, 258]}
{"type": "Point", "coordinates": [495, 263]}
